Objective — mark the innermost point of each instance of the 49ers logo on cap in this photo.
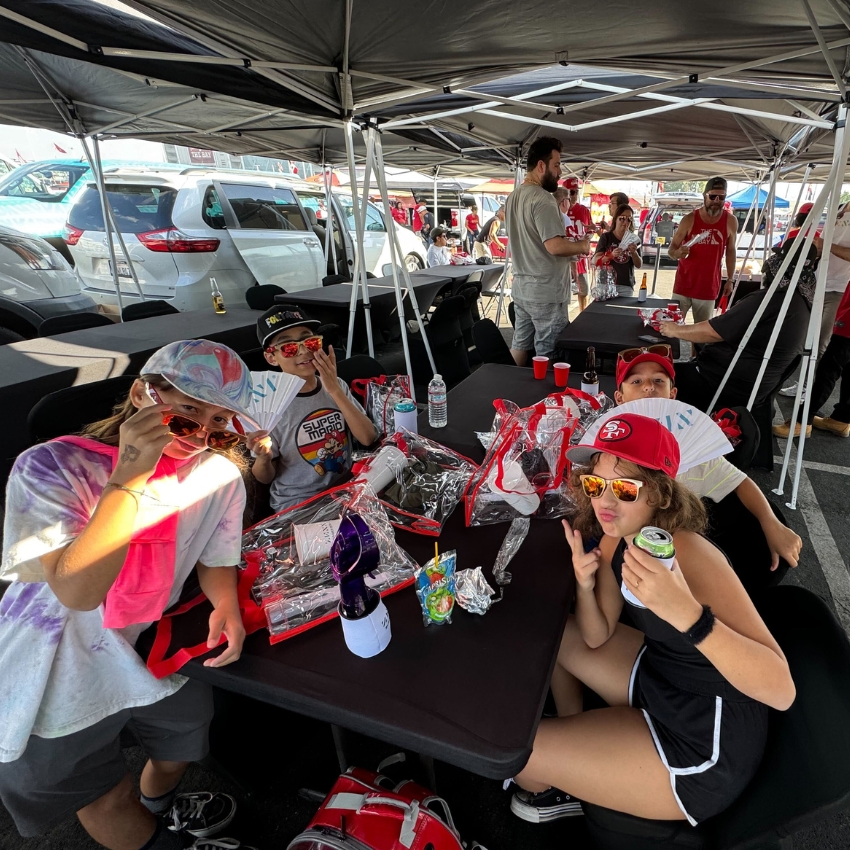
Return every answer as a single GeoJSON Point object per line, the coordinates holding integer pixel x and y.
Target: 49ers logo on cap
{"type": "Point", "coordinates": [613, 430]}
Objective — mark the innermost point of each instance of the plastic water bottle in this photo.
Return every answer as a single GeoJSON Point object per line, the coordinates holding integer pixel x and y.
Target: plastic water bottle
{"type": "Point", "coordinates": [438, 411]}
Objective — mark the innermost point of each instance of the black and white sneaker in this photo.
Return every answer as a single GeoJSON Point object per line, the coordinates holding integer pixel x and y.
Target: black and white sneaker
{"type": "Point", "coordinates": [545, 806]}
{"type": "Point", "coordinates": [202, 814]}
{"type": "Point", "coordinates": [219, 844]}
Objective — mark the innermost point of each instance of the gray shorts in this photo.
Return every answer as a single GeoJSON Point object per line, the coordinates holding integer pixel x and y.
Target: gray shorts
{"type": "Point", "coordinates": [538, 326]}
{"type": "Point", "coordinates": [56, 777]}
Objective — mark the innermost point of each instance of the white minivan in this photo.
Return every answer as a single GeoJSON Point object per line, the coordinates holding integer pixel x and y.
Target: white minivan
{"type": "Point", "coordinates": [239, 228]}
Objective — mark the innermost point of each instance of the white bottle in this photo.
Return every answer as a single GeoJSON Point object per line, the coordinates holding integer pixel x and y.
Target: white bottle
{"type": "Point", "coordinates": [438, 413]}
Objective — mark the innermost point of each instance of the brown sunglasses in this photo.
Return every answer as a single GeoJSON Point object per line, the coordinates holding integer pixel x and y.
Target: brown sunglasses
{"type": "Point", "coordinates": [183, 426]}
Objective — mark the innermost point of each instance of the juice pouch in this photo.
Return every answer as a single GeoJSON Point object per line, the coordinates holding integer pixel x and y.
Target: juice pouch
{"type": "Point", "coordinates": [435, 587]}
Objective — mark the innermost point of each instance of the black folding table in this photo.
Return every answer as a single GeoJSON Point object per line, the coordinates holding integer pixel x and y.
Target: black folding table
{"type": "Point", "coordinates": [610, 326]}
{"type": "Point", "coordinates": [470, 693]}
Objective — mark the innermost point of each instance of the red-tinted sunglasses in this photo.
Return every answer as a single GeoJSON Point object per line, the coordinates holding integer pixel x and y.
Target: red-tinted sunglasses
{"type": "Point", "coordinates": [290, 349]}
{"type": "Point", "coordinates": [183, 426]}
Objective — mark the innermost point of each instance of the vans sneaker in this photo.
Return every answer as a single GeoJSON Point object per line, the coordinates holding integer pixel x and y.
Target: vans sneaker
{"type": "Point", "coordinates": [790, 390]}
{"type": "Point", "coordinates": [545, 806]}
{"type": "Point", "coordinates": [202, 814]}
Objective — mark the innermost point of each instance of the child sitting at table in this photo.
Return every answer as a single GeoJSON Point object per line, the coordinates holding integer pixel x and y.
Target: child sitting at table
{"type": "Point", "coordinates": [700, 660]}
{"type": "Point", "coordinates": [649, 373]}
{"type": "Point", "coordinates": [101, 532]}
{"type": "Point", "coordinates": [309, 450]}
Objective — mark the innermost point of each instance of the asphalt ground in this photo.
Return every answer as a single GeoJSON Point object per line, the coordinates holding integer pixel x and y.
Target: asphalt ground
{"type": "Point", "coordinates": [267, 755]}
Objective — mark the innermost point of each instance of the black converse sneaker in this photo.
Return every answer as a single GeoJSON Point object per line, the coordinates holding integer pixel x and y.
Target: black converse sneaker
{"type": "Point", "coordinates": [545, 806]}
{"type": "Point", "coordinates": [202, 813]}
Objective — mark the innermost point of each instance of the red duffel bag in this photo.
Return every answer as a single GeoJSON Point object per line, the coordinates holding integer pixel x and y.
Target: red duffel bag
{"type": "Point", "coordinates": [366, 811]}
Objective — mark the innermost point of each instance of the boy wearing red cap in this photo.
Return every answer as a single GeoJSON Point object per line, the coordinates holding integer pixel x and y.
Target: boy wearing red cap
{"type": "Point", "coordinates": [651, 374]}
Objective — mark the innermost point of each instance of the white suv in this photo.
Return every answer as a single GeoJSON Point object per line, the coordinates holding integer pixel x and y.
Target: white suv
{"type": "Point", "coordinates": [237, 227]}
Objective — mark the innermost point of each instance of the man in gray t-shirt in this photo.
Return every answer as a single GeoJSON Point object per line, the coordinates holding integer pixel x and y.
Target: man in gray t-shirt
{"type": "Point", "coordinates": [539, 252]}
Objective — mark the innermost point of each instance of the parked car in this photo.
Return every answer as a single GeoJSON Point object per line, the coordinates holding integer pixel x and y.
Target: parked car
{"type": "Point", "coordinates": [35, 198]}
{"type": "Point", "coordinates": [181, 229]}
{"type": "Point", "coordinates": [667, 210]}
{"type": "Point", "coordinates": [36, 282]}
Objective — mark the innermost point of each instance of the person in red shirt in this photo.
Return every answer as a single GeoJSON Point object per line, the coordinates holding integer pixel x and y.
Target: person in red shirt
{"type": "Point", "coordinates": [473, 225]}
{"type": "Point", "coordinates": [398, 213]}
{"type": "Point", "coordinates": [799, 220]}
{"type": "Point", "coordinates": [834, 365]}
{"type": "Point", "coordinates": [698, 274]}
{"type": "Point", "coordinates": [582, 224]}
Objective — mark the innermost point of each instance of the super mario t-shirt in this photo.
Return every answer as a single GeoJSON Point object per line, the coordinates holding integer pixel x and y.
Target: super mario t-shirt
{"type": "Point", "coordinates": [312, 447]}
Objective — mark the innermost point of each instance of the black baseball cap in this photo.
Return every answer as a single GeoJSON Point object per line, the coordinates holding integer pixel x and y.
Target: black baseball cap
{"type": "Point", "coordinates": [715, 183]}
{"type": "Point", "coordinates": [280, 318]}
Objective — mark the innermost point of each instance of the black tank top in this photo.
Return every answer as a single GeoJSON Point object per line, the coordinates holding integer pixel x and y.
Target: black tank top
{"type": "Point", "coordinates": [484, 233]}
{"type": "Point", "coordinates": [669, 654]}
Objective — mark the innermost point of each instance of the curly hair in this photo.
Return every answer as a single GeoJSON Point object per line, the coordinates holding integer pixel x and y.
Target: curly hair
{"type": "Point", "coordinates": [676, 507]}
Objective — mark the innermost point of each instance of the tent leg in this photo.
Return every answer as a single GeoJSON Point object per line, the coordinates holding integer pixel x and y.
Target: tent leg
{"type": "Point", "coordinates": [330, 242]}
{"type": "Point", "coordinates": [503, 283]}
{"type": "Point", "coordinates": [94, 161]}
{"type": "Point", "coordinates": [750, 211]}
{"type": "Point", "coordinates": [657, 266]}
{"type": "Point", "coordinates": [360, 259]}
{"type": "Point", "coordinates": [841, 153]}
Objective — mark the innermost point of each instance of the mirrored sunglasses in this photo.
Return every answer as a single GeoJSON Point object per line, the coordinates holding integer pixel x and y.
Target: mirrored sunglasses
{"type": "Point", "coordinates": [183, 426]}
{"type": "Point", "coordinates": [290, 349]}
{"type": "Point", "coordinates": [629, 354]}
{"type": "Point", "coordinates": [624, 489]}
{"type": "Point", "coordinates": [713, 197]}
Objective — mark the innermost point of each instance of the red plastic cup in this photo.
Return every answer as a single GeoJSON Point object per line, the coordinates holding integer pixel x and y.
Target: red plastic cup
{"type": "Point", "coordinates": [562, 374]}
{"type": "Point", "coordinates": [541, 364]}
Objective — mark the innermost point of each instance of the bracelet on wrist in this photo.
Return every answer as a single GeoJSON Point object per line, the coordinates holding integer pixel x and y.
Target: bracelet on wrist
{"type": "Point", "coordinates": [702, 628]}
{"type": "Point", "coordinates": [137, 493]}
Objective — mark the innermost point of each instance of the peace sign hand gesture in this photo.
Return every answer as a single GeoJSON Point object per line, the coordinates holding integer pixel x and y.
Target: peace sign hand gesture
{"type": "Point", "coordinates": [585, 564]}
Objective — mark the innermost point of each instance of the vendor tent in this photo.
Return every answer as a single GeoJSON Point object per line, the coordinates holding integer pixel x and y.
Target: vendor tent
{"type": "Point", "coordinates": [743, 200]}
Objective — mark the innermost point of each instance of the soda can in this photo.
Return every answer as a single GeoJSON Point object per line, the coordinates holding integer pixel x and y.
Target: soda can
{"type": "Point", "coordinates": [658, 543]}
{"type": "Point", "coordinates": [405, 415]}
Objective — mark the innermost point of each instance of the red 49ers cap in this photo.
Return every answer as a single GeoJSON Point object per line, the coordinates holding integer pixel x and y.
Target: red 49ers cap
{"type": "Point", "coordinates": [635, 438]}
{"type": "Point", "coordinates": [571, 183]}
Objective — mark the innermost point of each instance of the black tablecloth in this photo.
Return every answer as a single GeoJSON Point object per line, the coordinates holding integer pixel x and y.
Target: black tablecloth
{"type": "Point", "coordinates": [469, 693]}
{"type": "Point", "coordinates": [470, 403]}
{"type": "Point", "coordinates": [611, 326]}
{"type": "Point", "coordinates": [459, 274]}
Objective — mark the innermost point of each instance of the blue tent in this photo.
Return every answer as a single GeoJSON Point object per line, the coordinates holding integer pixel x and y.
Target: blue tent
{"type": "Point", "coordinates": [743, 200]}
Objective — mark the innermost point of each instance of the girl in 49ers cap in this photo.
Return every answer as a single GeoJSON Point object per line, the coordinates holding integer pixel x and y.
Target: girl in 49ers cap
{"type": "Point", "coordinates": [688, 687]}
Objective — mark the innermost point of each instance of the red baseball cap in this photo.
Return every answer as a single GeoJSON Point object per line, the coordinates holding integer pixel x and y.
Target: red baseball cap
{"type": "Point", "coordinates": [623, 368]}
{"type": "Point", "coordinates": [635, 438]}
{"type": "Point", "coordinates": [572, 183]}
{"type": "Point", "coordinates": [805, 209]}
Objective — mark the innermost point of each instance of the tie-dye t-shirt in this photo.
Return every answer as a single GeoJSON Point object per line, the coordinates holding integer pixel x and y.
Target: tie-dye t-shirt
{"type": "Point", "coordinates": [60, 669]}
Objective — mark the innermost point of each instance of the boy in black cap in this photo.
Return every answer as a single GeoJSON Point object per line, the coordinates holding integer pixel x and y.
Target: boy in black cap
{"type": "Point", "coordinates": [309, 450]}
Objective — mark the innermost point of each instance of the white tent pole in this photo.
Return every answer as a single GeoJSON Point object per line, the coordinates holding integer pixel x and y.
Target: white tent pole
{"type": "Point", "coordinates": [833, 68]}
{"type": "Point", "coordinates": [810, 219]}
{"type": "Point", "coordinates": [503, 280]}
{"type": "Point", "coordinates": [810, 354]}
{"type": "Point", "coordinates": [436, 219]}
{"type": "Point", "coordinates": [364, 207]}
{"type": "Point", "coordinates": [751, 246]}
{"type": "Point", "coordinates": [388, 221]}
{"type": "Point", "coordinates": [101, 190]}
{"type": "Point", "coordinates": [398, 263]}
{"type": "Point", "coordinates": [756, 192]}
{"type": "Point", "coordinates": [327, 246]}
{"type": "Point", "coordinates": [359, 259]}
{"type": "Point", "coordinates": [130, 264]}
{"type": "Point", "coordinates": [771, 206]}
{"type": "Point", "coordinates": [796, 206]}
{"type": "Point", "coordinates": [330, 242]}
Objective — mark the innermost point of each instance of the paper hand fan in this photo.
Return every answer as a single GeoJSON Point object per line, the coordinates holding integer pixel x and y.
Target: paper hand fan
{"type": "Point", "coordinates": [700, 237]}
{"type": "Point", "coordinates": [271, 394]}
{"type": "Point", "coordinates": [629, 238]}
{"type": "Point", "coordinates": [699, 437]}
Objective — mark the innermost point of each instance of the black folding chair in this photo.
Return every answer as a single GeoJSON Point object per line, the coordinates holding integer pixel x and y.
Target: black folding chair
{"type": "Point", "coordinates": [447, 344]}
{"type": "Point", "coordinates": [66, 411]}
{"type": "Point", "coordinates": [147, 309]}
{"type": "Point", "coordinates": [261, 297]}
{"type": "Point", "coordinates": [804, 776]}
{"type": "Point", "coordinates": [359, 366]}
{"type": "Point", "coordinates": [72, 322]}
{"type": "Point", "coordinates": [490, 343]}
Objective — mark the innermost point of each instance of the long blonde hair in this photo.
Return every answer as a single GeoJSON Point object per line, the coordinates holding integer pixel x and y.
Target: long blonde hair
{"type": "Point", "coordinates": [676, 507]}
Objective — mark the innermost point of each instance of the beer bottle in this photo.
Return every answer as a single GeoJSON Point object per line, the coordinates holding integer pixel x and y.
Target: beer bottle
{"type": "Point", "coordinates": [218, 301]}
{"type": "Point", "coordinates": [590, 380]}
{"type": "Point", "coordinates": [642, 293]}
